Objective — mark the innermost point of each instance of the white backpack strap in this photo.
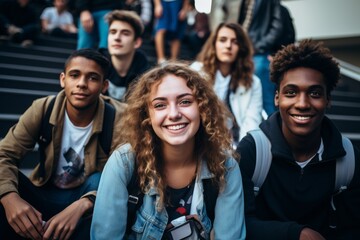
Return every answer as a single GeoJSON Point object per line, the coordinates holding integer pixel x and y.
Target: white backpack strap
{"type": "Point", "coordinates": [345, 166]}
{"type": "Point", "coordinates": [263, 158]}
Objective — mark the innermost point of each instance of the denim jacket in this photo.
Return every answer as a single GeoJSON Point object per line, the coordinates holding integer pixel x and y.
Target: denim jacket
{"type": "Point", "coordinates": [110, 212]}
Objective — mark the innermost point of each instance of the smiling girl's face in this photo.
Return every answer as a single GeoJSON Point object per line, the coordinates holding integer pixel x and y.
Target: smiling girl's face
{"type": "Point", "coordinates": [174, 112]}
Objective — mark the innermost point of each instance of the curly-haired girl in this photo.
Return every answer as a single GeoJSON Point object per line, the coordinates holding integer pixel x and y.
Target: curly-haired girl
{"type": "Point", "coordinates": [176, 136]}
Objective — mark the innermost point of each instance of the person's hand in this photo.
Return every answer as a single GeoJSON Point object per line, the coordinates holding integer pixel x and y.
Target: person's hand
{"type": "Point", "coordinates": [22, 217]}
{"type": "Point", "coordinates": [87, 21]}
{"type": "Point", "coordinates": [309, 234]}
{"type": "Point", "coordinates": [182, 14]}
{"type": "Point", "coordinates": [12, 30]}
{"type": "Point", "coordinates": [158, 11]}
{"type": "Point", "coordinates": [63, 224]}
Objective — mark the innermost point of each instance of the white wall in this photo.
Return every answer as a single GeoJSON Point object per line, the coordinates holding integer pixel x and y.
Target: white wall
{"type": "Point", "coordinates": [322, 19]}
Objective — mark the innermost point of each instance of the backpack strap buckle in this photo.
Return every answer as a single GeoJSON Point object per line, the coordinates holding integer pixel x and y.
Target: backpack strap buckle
{"type": "Point", "coordinates": [133, 199]}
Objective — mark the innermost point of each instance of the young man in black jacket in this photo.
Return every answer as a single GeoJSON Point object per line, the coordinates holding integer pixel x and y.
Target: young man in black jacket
{"type": "Point", "coordinates": [124, 40]}
{"type": "Point", "coordinates": [295, 199]}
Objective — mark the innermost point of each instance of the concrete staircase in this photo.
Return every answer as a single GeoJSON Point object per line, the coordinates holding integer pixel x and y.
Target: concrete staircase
{"type": "Point", "coordinates": [30, 73]}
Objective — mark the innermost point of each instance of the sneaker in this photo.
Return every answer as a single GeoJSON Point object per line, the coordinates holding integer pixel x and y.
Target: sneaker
{"type": "Point", "coordinates": [161, 61]}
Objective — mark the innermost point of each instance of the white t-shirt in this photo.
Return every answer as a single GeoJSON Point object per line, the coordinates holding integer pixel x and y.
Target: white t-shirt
{"type": "Point", "coordinates": [320, 152]}
{"type": "Point", "coordinates": [54, 19]}
{"type": "Point", "coordinates": [116, 92]}
{"type": "Point", "coordinates": [70, 168]}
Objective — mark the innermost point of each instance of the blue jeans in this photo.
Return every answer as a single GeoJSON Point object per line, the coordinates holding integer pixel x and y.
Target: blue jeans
{"type": "Point", "coordinates": [98, 35]}
{"type": "Point", "coordinates": [50, 200]}
{"type": "Point", "coordinates": [262, 70]}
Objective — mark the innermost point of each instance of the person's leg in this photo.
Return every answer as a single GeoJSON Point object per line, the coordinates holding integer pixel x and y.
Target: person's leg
{"type": "Point", "coordinates": [91, 184]}
{"type": "Point", "coordinates": [159, 45]}
{"type": "Point", "coordinates": [58, 32]}
{"type": "Point", "coordinates": [30, 32]}
{"type": "Point", "coordinates": [85, 39]}
{"type": "Point", "coordinates": [50, 200]}
{"type": "Point", "coordinates": [216, 15]}
{"type": "Point", "coordinates": [6, 231]}
{"type": "Point", "coordinates": [232, 7]}
{"type": "Point", "coordinates": [83, 228]}
{"type": "Point", "coordinates": [174, 48]}
{"type": "Point", "coordinates": [177, 37]}
{"type": "Point", "coordinates": [30, 194]}
{"type": "Point", "coordinates": [262, 70]}
{"type": "Point", "coordinates": [102, 27]}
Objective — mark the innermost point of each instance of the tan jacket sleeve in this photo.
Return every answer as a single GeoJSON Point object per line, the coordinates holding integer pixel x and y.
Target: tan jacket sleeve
{"type": "Point", "coordinates": [20, 140]}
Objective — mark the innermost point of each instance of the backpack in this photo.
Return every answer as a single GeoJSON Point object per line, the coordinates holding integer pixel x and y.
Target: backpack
{"type": "Point", "coordinates": [345, 166]}
{"type": "Point", "coordinates": [136, 196]}
{"type": "Point", "coordinates": [45, 136]}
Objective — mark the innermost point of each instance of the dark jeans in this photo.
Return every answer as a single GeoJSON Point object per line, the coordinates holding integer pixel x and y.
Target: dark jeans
{"type": "Point", "coordinates": [58, 32]}
{"type": "Point", "coordinates": [50, 200]}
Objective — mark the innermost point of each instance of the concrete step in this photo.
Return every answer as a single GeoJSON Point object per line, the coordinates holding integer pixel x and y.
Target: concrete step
{"type": "Point", "coordinates": [37, 50]}
{"type": "Point", "coordinates": [31, 60]}
{"type": "Point", "coordinates": [29, 83]}
{"type": "Point", "coordinates": [344, 108]}
{"type": "Point", "coordinates": [346, 123]}
{"type": "Point", "coordinates": [50, 41]}
{"type": "Point", "coordinates": [18, 100]}
{"type": "Point", "coordinates": [33, 71]}
{"type": "Point", "coordinates": [349, 96]}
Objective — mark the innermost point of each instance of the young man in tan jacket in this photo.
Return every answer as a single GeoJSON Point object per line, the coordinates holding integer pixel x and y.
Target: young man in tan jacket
{"type": "Point", "coordinates": [55, 202]}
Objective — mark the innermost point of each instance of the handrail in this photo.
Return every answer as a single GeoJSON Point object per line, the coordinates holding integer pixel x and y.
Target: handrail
{"type": "Point", "coordinates": [349, 70]}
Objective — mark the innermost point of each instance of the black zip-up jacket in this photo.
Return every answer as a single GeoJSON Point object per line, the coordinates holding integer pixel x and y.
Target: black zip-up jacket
{"type": "Point", "coordinates": [266, 25]}
{"type": "Point", "coordinates": [293, 198]}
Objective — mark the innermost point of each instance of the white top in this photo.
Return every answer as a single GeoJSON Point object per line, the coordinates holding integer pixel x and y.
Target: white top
{"type": "Point", "coordinates": [246, 104]}
{"type": "Point", "coordinates": [117, 92]}
{"type": "Point", "coordinates": [320, 152]}
{"type": "Point", "coordinates": [54, 19]}
{"type": "Point", "coordinates": [70, 168]}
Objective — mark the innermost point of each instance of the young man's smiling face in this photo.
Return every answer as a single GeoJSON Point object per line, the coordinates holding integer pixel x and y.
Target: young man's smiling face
{"type": "Point", "coordinates": [121, 39]}
{"type": "Point", "coordinates": [302, 100]}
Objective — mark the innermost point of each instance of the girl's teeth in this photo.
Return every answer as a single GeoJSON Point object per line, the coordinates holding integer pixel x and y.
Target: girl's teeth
{"type": "Point", "coordinates": [176, 127]}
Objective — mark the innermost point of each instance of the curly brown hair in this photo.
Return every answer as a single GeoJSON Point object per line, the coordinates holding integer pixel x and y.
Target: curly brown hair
{"type": "Point", "coordinates": [309, 54]}
{"type": "Point", "coordinates": [212, 141]}
{"type": "Point", "coordinates": [243, 66]}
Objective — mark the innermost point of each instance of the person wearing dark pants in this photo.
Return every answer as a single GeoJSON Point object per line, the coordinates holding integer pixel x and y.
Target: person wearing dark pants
{"type": "Point", "coordinates": [56, 201]}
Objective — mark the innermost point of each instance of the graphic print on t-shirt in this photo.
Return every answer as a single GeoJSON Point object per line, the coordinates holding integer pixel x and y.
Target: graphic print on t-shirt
{"type": "Point", "coordinates": [72, 170]}
{"type": "Point", "coordinates": [179, 201]}
{"type": "Point", "coordinates": [70, 165]}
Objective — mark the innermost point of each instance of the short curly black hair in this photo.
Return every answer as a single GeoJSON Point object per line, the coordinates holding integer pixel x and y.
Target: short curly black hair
{"type": "Point", "coordinates": [309, 54]}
